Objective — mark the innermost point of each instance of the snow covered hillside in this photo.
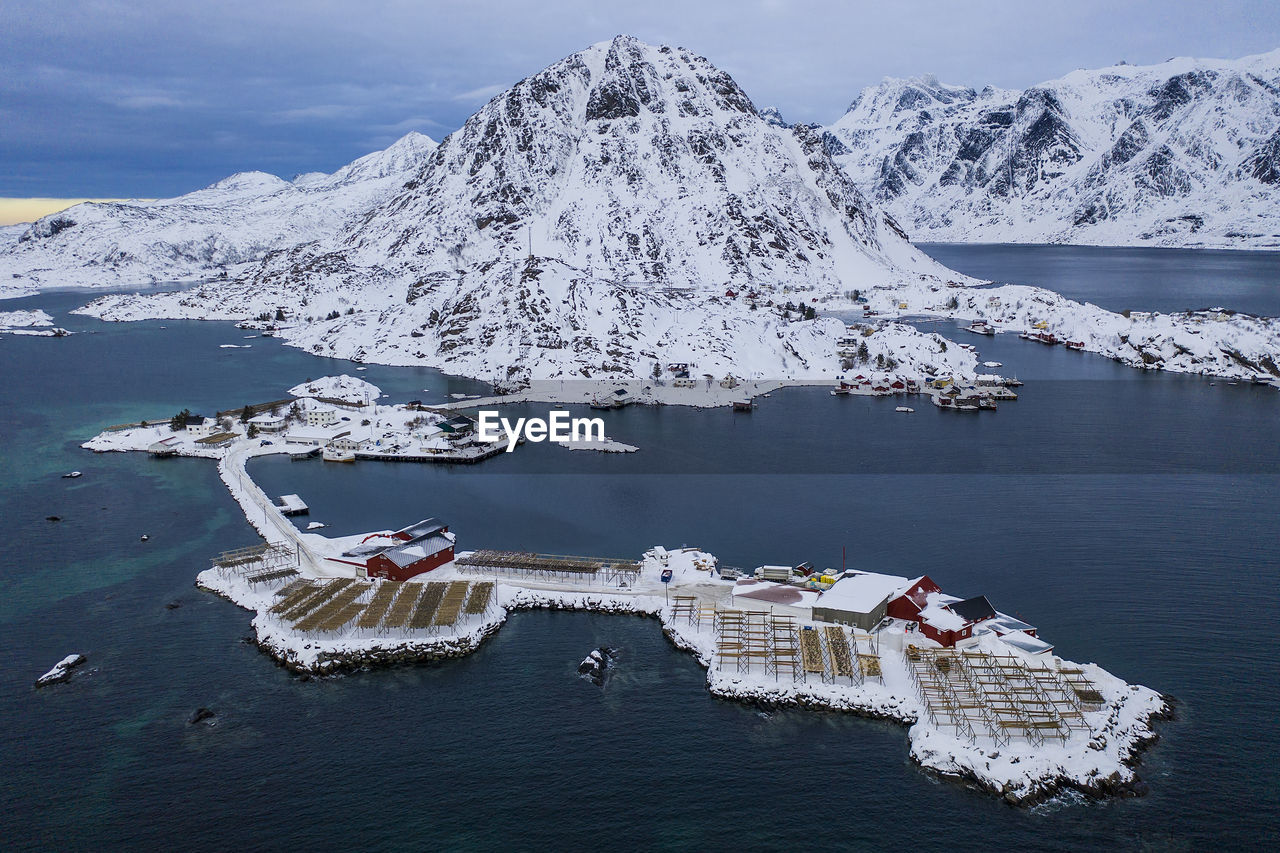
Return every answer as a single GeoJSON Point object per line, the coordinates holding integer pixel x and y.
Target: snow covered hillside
{"type": "Point", "coordinates": [660, 208]}
{"type": "Point", "coordinates": [1185, 153]}
{"type": "Point", "coordinates": [200, 235]}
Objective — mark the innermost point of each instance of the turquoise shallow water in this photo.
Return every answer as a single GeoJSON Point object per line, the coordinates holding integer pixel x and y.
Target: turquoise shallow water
{"type": "Point", "coordinates": [1131, 516]}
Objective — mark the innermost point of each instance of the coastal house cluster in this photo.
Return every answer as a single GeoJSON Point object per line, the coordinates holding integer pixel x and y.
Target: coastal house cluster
{"type": "Point", "coordinates": [869, 601]}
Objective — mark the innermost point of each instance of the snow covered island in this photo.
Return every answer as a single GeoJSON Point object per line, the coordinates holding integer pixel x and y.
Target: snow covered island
{"type": "Point", "coordinates": [35, 323]}
{"type": "Point", "coordinates": [333, 428]}
{"type": "Point", "coordinates": [985, 699]}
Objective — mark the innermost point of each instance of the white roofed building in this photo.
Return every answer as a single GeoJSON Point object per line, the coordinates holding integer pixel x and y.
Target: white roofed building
{"type": "Point", "coordinates": [859, 600]}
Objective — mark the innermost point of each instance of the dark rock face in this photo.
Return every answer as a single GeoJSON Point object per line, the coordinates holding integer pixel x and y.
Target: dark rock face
{"type": "Point", "coordinates": [773, 117]}
{"type": "Point", "coordinates": [1264, 162]}
{"type": "Point", "coordinates": [199, 715]}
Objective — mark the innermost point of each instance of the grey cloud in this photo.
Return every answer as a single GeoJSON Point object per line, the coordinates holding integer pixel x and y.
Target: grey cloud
{"type": "Point", "coordinates": [146, 98]}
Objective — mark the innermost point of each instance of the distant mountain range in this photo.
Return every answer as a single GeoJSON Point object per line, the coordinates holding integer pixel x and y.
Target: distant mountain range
{"type": "Point", "coordinates": [1185, 153]}
{"type": "Point", "coordinates": [201, 234]}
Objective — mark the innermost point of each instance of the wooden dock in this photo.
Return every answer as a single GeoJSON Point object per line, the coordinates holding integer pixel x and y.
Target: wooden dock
{"type": "Point", "coordinates": [292, 505]}
{"type": "Point", "coordinates": [550, 566]}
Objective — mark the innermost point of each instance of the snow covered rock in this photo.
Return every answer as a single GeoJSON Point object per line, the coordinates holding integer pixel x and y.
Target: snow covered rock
{"type": "Point", "coordinates": [61, 670]}
{"type": "Point", "coordinates": [595, 666]}
{"type": "Point", "coordinates": [1184, 153]}
{"type": "Point", "coordinates": [341, 387]}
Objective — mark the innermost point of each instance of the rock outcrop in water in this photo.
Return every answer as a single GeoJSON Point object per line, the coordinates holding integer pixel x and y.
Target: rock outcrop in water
{"type": "Point", "coordinates": [596, 665]}
{"type": "Point", "coordinates": [61, 670]}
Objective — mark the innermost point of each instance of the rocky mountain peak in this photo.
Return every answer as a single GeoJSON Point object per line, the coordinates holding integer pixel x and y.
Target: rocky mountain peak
{"type": "Point", "coordinates": [630, 162]}
{"type": "Point", "coordinates": [1172, 154]}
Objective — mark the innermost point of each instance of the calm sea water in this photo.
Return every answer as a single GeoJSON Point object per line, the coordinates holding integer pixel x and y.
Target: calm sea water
{"type": "Point", "coordinates": [1137, 279]}
{"type": "Point", "coordinates": [1131, 516]}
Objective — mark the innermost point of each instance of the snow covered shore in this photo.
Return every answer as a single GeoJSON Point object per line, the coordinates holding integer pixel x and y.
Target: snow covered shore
{"type": "Point", "coordinates": [724, 335]}
{"type": "Point", "coordinates": [1213, 342]}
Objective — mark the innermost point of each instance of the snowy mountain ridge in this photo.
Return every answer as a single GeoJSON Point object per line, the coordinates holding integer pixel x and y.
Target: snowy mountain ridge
{"type": "Point", "coordinates": [202, 234]}
{"type": "Point", "coordinates": [1184, 153]}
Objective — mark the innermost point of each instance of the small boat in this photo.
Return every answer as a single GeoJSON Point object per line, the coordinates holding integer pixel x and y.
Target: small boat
{"type": "Point", "coordinates": [144, 537]}
{"type": "Point", "coordinates": [980, 327]}
{"type": "Point", "coordinates": [71, 475]}
{"type": "Point", "coordinates": [906, 409]}
{"type": "Point", "coordinates": [335, 455]}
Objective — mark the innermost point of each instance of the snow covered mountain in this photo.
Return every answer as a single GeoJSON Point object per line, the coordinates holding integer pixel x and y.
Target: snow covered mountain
{"type": "Point", "coordinates": [629, 207]}
{"type": "Point", "coordinates": [659, 206]}
{"type": "Point", "coordinates": [1185, 153]}
{"type": "Point", "coordinates": [636, 163]}
{"type": "Point", "coordinates": [199, 235]}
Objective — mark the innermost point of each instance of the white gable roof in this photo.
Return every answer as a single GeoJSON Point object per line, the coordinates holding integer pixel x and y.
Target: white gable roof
{"type": "Point", "coordinates": [863, 592]}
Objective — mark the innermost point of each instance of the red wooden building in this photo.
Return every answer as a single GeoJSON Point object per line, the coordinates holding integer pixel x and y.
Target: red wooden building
{"type": "Point", "coordinates": [942, 619]}
{"type": "Point", "coordinates": [404, 554]}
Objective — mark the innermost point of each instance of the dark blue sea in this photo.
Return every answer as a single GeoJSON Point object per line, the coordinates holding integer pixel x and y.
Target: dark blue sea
{"type": "Point", "coordinates": [1131, 516]}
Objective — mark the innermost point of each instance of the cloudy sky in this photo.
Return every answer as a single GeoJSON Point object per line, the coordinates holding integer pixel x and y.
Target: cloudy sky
{"type": "Point", "coordinates": [101, 98]}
